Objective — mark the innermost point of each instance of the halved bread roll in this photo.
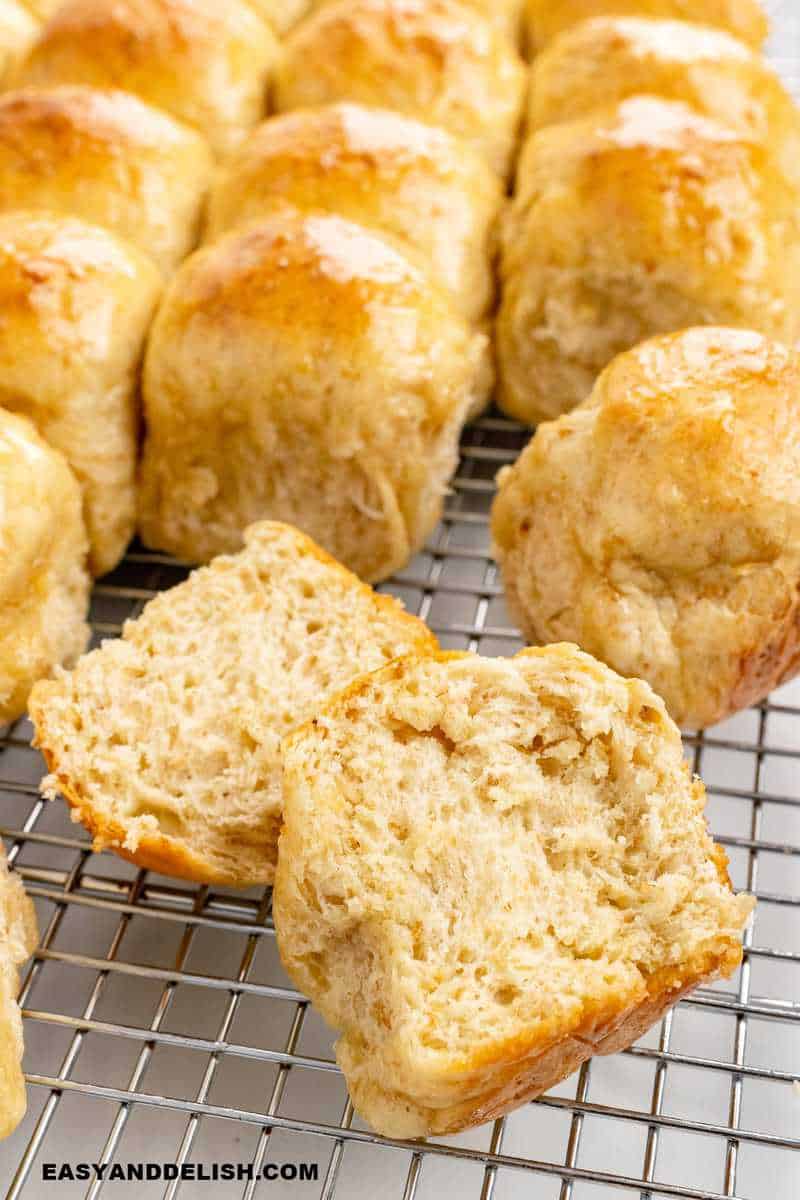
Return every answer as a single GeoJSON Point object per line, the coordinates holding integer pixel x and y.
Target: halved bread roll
{"type": "Point", "coordinates": [17, 32]}
{"type": "Point", "coordinates": [44, 584]}
{"type": "Point", "coordinates": [303, 370]}
{"type": "Point", "coordinates": [744, 18]}
{"type": "Point", "coordinates": [435, 60]}
{"type": "Point", "coordinates": [166, 742]}
{"type": "Point", "coordinates": [640, 219]}
{"type": "Point", "coordinates": [658, 525]}
{"type": "Point", "coordinates": [428, 190]}
{"type": "Point", "coordinates": [77, 379]}
{"type": "Point", "coordinates": [18, 937]}
{"type": "Point", "coordinates": [490, 870]}
{"type": "Point", "coordinates": [106, 157]}
{"type": "Point", "coordinates": [205, 62]}
{"type": "Point", "coordinates": [606, 60]}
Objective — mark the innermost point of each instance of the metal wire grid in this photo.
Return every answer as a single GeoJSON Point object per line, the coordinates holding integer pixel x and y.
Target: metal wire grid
{"type": "Point", "coordinates": [147, 994]}
{"type": "Point", "coordinates": [159, 1025]}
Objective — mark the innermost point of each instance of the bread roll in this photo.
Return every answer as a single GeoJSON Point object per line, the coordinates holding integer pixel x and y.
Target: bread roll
{"type": "Point", "coordinates": [18, 937]}
{"type": "Point", "coordinates": [76, 378]}
{"type": "Point", "coordinates": [506, 15]}
{"type": "Point", "coordinates": [640, 219]}
{"type": "Point", "coordinates": [17, 31]}
{"type": "Point", "coordinates": [205, 62]}
{"type": "Point", "coordinates": [108, 158]}
{"type": "Point", "coordinates": [432, 59]}
{"type": "Point", "coordinates": [44, 585]}
{"type": "Point", "coordinates": [658, 525]}
{"type": "Point", "coordinates": [489, 870]}
{"type": "Point", "coordinates": [606, 60]}
{"type": "Point", "coordinates": [302, 369]}
{"type": "Point", "coordinates": [744, 18]}
{"type": "Point", "coordinates": [167, 742]}
{"type": "Point", "coordinates": [421, 186]}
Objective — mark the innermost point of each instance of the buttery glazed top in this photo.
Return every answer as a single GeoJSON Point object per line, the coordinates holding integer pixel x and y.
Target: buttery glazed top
{"type": "Point", "coordinates": [316, 290]}
{"type": "Point", "coordinates": [699, 426]}
{"type": "Point", "coordinates": [505, 14]}
{"type": "Point", "coordinates": [707, 422]}
{"type": "Point", "coordinates": [105, 156]}
{"type": "Point", "coordinates": [432, 59]}
{"type": "Point", "coordinates": [316, 141]}
{"type": "Point", "coordinates": [204, 61]}
{"type": "Point", "coordinates": [744, 18]}
{"type": "Point", "coordinates": [65, 283]}
{"type": "Point", "coordinates": [607, 59]}
{"type": "Point", "coordinates": [411, 181]}
{"type": "Point", "coordinates": [681, 193]}
{"type": "Point", "coordinates": [658, 524]}
{"type": "Point", "coordinates": [56, 119]}
{"type": "Point", "coordinates": [300, 156]}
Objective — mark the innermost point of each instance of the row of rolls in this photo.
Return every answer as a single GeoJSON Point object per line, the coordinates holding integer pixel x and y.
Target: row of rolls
{"type": "Point", "coordinates": [316, 358]}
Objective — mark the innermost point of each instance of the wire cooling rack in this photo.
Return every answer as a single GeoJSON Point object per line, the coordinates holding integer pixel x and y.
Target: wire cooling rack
{"type": "Point", "coordinates": [160, 1026]}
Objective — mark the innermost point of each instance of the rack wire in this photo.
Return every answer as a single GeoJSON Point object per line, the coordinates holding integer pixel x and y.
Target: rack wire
{"type": "Point", "coordinates": [160, 1026]}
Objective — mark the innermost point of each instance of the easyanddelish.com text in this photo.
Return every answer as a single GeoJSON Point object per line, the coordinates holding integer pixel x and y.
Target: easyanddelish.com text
{"type": "Point", "coordinates": [148, 1172]}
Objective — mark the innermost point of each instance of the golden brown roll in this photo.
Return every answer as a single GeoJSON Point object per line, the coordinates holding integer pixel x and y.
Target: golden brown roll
{"type": "Point", "coordinates": [606, 60]}
{"type": "Point", "coordinates": [658, 525]}
{"type": "Point", "coordinates": [417, 184]}
{"type": "Point", "coordinates": [207, 63]}
{"type": "Point", "coordinates": [303, 370]}
{"type": "Point", "coordinates": [44, 584]}
{"type": "Point", "coordinates": [641, 219]}
{"type": "Point", "coordinates": [432, 59]}
{"type": "Point", "coordinates": [75, 306]}
{"type": "Point", "coordinates": [17, 31]}
{"type": "Point", "coordinates": [106, 157]}
{"type": "Point", "coordinates": [504, 14]}
{"type": "Point", "coordinates": [744, 18]}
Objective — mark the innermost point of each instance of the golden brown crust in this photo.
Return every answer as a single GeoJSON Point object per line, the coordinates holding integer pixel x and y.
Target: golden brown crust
{"type": "Point", "coordinates": [436, 60]}
{"type": "Point", "coordinates": [506, 15]}
{"type": "Point", "coordinates": [109, 158]}
{"type": "Point", "coordinates": [658, 525]}
{"type": "Point", "coordinates": [635, 220]}
{"type": "Point", "coordinates": [154, 852]}
{"type": "Point", "coordinates": [744, 18]}
{"type": "Point", "coordinates": [409, 181]}
{"type": "Point", "coordinates": [768, 666]}
{"type": "Point", "coordinates": [529, 1069]}
{"type": "Point", "coordinates": [77, 379]}
{"type": "Point", "coordinates": [44, 581]}
{"type": "Point", "coordinates": [286, 344]}
{"type": "Point", "coordinates": [609, 59]}
{"type": "Point", "coordinates": [206, 63]}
